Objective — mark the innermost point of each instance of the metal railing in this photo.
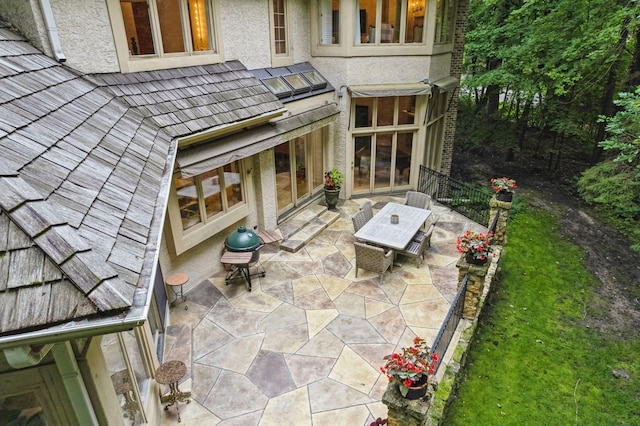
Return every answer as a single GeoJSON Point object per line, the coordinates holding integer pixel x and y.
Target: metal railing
{"type": "Point", "coordinates": [448, 328]}
{"type": "Point", "coordinates": [459, 196]}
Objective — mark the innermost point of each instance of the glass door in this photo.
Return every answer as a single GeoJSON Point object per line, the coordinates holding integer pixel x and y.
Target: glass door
{"type": "Point", "coordinates": [299, 170]}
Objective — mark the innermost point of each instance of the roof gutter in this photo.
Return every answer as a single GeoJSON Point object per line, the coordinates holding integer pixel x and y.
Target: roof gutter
{"type": "Point", "coordinates": [225, 129]}
{"type": "Point", "coordinates": [69, 332]}
{"type": "Point", "coordinates": [50, 23]}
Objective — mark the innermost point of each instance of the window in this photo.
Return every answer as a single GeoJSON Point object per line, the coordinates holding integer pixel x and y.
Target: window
{"type": "Point", "coordinates": [330, 21]}
{"type": "Point", "coordinates": [200, 206]}
{"type": "Point", "coordinates": [177, 32]}
{"type": "Point", "coordinates": [203, 197]}
{"type": "Point", "coordinates": [167, 34]}
{"type": "Point", "coordinates": [129, 370]}
{"type": "Point", "coordinates": [383, 142]}
{"type": "Point", "coordinates": [280, 46]}
{"type": "Point", "coordinates": [390, 21]}
{"type": "Point", "coordinates": [445, 13]}
{"type": "Point", "coordinates": [279, 28]}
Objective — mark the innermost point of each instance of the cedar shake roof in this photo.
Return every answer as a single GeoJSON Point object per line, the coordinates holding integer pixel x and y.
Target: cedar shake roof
{"type": "Point", "coordinates": [85, 166]}
{"type": "Point", "coordinates": [82, 186]}
{"type": "Point", "coordinates": [183, 101]}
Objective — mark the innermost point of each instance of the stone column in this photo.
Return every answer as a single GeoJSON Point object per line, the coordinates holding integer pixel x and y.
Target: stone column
{"type": "Point", "coordinates": [475, 286]}
{"type": "Point", "coordinates": [403, 411]}
{"type": "Point", "coordinates": [501, 226]}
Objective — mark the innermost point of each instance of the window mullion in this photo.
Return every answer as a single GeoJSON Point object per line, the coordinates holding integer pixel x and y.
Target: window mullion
{"type": "Point", "coordinates": [201, 201]}
{"type": "Point", "coordinates": [155, 27]}
{"type": "Point", "coordinates": [186, 27]}
{"type": "Point", "coordinates": [223, 190]}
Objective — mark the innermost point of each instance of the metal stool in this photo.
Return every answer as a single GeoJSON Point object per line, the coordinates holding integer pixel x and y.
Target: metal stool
{"type": "Point", "coordinates": [177, 280]}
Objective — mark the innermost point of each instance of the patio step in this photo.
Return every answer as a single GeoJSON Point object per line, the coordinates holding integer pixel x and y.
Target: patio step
{"type": "Point", "coordinates": [306, 225]}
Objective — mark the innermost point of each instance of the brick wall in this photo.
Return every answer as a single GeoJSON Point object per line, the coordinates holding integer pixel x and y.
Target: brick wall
{"type": "Point", "coordinates": [462, 17]}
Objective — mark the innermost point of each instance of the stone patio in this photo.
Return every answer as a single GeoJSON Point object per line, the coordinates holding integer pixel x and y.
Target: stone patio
{"type": "Point", "coordinates": [304, 347]}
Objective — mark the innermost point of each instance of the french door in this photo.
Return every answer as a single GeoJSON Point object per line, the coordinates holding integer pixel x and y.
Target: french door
{"type": "Point", "coordinates": [299, 170]}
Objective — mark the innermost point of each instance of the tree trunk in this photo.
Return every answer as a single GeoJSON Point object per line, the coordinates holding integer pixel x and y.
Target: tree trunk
{"type": "Point", "coordinates": [607, 106]}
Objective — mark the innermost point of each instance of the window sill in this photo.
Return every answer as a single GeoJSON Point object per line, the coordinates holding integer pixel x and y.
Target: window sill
{"type": "Point", "coordinates": [135, 64]}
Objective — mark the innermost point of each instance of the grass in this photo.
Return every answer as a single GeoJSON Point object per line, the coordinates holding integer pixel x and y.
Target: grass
{"type": "Point", "coordinates": [533, 360]}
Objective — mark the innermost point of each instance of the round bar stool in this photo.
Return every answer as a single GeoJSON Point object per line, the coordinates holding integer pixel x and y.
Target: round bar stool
{"type": "Point", "coordinates": [170, 374]}
{"type": "Point", "coordinates": [177, 280]}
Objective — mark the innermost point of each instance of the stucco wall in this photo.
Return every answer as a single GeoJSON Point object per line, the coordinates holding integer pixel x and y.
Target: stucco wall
{"type": "Point", "coordinates": [88, 48]}
{"type": "Point", "coordinates": [245, 32]}
{"type": "Point", "coordinates": [26, 17]}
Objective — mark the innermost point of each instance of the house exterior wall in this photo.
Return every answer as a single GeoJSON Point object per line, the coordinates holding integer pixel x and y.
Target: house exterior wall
{"type": "Point", "coordinates": [246, 36]}
{"type": "Point", "coordinates": [88, 48]}
{"type": "Point", "coordinates": [27, 18]}
{"type": "Point", "coordinates": [248, 42]}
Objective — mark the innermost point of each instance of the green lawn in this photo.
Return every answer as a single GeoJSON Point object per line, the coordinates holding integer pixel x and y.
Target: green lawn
{"type": "Point", "coordinates": [533, 360]}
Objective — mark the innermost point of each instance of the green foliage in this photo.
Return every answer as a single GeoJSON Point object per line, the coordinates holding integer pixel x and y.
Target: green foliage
{"type": "Point", "coordinates": [532, 360]}
{"type": "Point", "coordinates": [614, 191]}
{"type": "Point", "coordinates": [624, 130]}
{"type": "Point", "coordinates": [333, 179]}
{"type": "Point", "coordinates": [557, 55]}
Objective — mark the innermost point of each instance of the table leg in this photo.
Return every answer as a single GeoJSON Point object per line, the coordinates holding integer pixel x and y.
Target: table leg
{"type": "Point", "coordinates": [175, 396]}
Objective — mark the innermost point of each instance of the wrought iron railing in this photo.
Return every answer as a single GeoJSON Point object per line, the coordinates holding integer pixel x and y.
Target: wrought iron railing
{"type": "Point", "coordinates": [459, 196]}
{"type": "Point", "coordinates": [448, 328]}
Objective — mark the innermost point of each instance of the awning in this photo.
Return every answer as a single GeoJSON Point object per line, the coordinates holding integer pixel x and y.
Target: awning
{"type": "Point", "coordinates": [379, 90]}
{"type": "Point", "coordinates": [217, 153]}
{"type": "Point", "coordinates": [446, 84]}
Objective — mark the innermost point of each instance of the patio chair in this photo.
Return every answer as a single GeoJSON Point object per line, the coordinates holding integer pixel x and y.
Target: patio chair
{"type": "Point", "coordinates": [417, 199]}
{"type": "Point", "coordinates": [359, 220]}
{"type": "Point", "coordinates": [422, 235]}
{"type": "Point", "coordinates": [368, 209]}
{"type": "Point", "coordinates": [416, 249]}
{"type": "Point", "coordinates": [374, 259]}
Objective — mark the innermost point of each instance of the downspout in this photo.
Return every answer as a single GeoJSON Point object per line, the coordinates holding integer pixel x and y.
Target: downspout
{"type": "Point", "coordinates": [50, 23]}
{"type": "Point", "coordinates": [25, 356]}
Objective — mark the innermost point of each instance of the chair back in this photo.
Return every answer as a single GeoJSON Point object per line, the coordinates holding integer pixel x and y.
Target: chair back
{"type": "Point", "coordinates": [368, 210]}
{"type": "Point", "coordinates": [373, 258]}
{"type": "Point", "coordinates": [417, 199]}
{"type": "Point", "coordinates": [359, 220]}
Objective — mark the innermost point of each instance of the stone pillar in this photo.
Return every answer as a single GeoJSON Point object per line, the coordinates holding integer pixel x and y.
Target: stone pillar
{"type": "Point", "coordinates": [402, 411]}
{"type": "Point", "coordinates": [501, 227]}
{"type": "Point", "coordinates": [475, 286]}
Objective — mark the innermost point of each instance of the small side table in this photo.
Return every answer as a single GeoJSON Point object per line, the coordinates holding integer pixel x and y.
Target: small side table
{"type": "Point", "coordinates": [240, 260]}
{"type": "Point", "coordinates": [122, 385]}
{"type": "Point", "coordinates": [170, 374]}
{"type": "Point", "coordinates": [177, 280]}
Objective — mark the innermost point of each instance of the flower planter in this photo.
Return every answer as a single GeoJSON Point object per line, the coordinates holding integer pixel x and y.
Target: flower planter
{"type": "Point", "coordinates": [418, 391]}
{"type": "Point", "coordinates": [331, 197]}
{"type": "Point", "coordinates": [473, 261]}
{"type": "Point", "coordinates": [506, 196]}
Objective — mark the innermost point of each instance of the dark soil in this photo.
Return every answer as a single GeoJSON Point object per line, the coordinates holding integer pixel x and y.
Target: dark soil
{"type": "Point", "coordinates": [608, 253]}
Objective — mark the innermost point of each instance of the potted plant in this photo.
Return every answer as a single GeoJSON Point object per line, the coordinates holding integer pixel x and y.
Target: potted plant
{"type": "Point", "coordinates": [504, 188]}
{"type": "Point", "coordinates": [332, 183]}
{"type": "Point", "coordinates": [411, 368]}
{"type": "Point", "coordinates": [475, 246]}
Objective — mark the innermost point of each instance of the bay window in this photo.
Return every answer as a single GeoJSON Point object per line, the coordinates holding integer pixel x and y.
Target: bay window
{"type": "Point", "coordinates": [390, 21]}
{"type": "Point", "coordinates": [384, 130]}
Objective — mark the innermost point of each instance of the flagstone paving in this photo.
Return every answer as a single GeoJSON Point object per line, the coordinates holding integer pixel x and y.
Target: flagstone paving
{"type": "Point", "coordinates": [304, 347]}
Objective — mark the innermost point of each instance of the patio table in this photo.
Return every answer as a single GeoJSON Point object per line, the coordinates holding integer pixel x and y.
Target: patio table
{"type": "Point", "coordinates": [380, 231]}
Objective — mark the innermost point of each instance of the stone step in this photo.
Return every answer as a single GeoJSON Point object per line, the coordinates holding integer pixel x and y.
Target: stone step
{"type": "Point", "coordinates": [305, 226]}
